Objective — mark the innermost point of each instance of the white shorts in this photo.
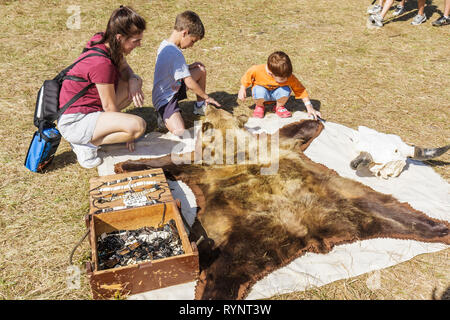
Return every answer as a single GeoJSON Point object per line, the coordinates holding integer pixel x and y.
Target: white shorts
{"type": "Point", "coordinates": [78, 127]}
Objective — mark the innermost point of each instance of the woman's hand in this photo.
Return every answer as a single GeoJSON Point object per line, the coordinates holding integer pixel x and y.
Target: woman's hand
{"type": "Point", "coordinates": [130, 146]}
{"type": "Point", "coordinates": [210, 100]}
{"type": "Point", "coordinates": [135, 92]}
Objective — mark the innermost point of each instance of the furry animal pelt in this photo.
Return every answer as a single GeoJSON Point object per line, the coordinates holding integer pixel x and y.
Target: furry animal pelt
{"type": "Point", "coordinates": [255, 224]}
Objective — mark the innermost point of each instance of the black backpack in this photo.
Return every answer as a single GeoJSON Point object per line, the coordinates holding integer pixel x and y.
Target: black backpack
{"type": "Point", "coordinates": [46, 139]}
{"type": "Point", "coordinates": [47, 104]}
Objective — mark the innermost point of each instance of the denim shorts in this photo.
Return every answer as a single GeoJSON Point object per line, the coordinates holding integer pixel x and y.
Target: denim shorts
{"type": "Point", "coordinates": [260, 92]}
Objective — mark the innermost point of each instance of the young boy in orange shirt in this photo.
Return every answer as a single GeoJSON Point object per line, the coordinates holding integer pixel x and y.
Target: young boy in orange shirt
{"type": "Point", "coordinates": [274, 81]}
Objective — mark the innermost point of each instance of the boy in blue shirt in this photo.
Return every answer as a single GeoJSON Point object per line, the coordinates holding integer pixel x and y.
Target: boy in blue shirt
{"type": "Point", "coordinates": [173, 76]}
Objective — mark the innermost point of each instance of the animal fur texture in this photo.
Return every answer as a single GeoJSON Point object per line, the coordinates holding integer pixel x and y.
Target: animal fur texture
{"type": "Point", "coordinates": [254, 224]}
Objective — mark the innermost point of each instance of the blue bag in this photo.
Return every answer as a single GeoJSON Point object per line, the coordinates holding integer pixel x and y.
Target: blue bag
{"type": "Point", "coordinates": [42, 149]}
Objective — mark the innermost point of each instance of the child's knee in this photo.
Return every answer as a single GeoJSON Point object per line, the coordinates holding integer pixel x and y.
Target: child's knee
{"type": "Point", "coordinates": [282, 93]}
{"type": "Point", "coordinates": [199, 73]}
{"type": "Point", "coordinates": [178, 132]}
{"type": "Point", "coordinates": [202, 69]}
{"type": "Point", "coordinates": [259, 92]}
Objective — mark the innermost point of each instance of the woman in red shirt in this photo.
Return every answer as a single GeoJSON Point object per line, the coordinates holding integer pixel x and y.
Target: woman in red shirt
{"type": "Point", "coordinates": [95, 118]}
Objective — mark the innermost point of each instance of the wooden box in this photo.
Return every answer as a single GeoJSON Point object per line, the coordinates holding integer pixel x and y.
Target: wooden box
{"type": "Point", "coordinates": [143, 276]}
{"type": "Point", "coordinates": [114, 198]}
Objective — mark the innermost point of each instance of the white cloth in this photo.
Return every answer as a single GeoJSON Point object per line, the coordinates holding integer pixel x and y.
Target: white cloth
{"type": "Point", "coordinates": [418, 185]}
{"type": "Point", "coordinates": [170, 69]}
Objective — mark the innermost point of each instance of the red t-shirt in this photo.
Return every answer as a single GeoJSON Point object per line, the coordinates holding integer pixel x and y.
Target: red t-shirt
{"type": "Point", "coordinates": [95, 70]}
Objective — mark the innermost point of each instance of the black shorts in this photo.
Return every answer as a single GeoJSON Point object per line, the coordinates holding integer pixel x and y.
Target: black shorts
{"type": "Point", "coordinates": [172, 106]}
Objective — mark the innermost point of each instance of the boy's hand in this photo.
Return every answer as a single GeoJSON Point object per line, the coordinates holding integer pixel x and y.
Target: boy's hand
{"type": "Point", "coordinates": [309, 108]}
{"type": "Point", "coordinates": [313, 112]}
{"type": "Point", "coordinates": [242, 93]}
{"type": "Point", "coordinates": [197, 65]}
{"type": "Point", "coordinates": [210, 100]}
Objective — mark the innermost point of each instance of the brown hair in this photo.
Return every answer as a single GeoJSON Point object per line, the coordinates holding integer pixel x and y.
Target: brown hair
{"type": "Point", "coordinates": [190, 21]}
{"type": "Point", "coordinates": [125, 21]}
{"type": "Point", "coordinates": [279, 64]}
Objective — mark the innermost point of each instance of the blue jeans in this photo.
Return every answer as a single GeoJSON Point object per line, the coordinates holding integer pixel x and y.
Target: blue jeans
{"type": "Point", "coordinates": [260, 92]}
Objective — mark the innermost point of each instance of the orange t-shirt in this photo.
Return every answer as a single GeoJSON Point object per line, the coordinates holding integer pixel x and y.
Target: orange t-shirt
{"type": "Point", "coordinates": [257, 75]}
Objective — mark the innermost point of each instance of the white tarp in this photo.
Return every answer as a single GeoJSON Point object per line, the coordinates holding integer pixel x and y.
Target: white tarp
{"type": "Point", "coordinates": [418, 185]}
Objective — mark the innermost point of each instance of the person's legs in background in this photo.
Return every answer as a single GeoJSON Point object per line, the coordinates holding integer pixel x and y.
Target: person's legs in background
{"type": "Point", "coordinates": [420, 17]}
{"type": "Point", "coordinates": [445, 19]}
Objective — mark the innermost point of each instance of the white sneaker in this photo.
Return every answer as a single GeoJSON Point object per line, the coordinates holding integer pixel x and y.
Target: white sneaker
{"type": "Point", "coordinates": [399, 10]}
{"type": "Point", "coordinates": [418, 19]}
{"type": "Point", "coordinates": [200, 111]}
{"type": "Point", "coordinates": [86, 155]}
{"type": "Point", "coordinates": [375, 9]}
{"type": "Point", "coordinates": [376, 20]}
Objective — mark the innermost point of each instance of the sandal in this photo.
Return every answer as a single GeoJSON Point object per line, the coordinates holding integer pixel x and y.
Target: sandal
{"type": "Point", "coordinates": [282, 112]}
{"type": "Point", "coordinates": [259, 112]}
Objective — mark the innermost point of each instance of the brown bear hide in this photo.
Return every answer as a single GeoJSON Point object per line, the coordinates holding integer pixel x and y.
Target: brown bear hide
{"type": "Point", "coordinates": [255, 224]}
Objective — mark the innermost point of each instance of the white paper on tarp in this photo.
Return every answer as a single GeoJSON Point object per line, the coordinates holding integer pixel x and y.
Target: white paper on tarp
{"type": "Point", "coordinates": [418, 185]}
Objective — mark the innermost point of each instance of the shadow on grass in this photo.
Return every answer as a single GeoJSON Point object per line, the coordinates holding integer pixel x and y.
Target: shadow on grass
{"type": "Point", "coordinates": [437, 163]}
{"type": "Point", "coordinates": [62, 160]}
{"type": "Point", "coordinates": [298, 105]}
{"type": "Point", "coordinates": [229, 101]}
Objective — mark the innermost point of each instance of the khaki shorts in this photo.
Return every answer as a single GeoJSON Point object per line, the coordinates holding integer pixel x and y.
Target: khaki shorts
{"type": "Point", "coordinates": [78, 127]}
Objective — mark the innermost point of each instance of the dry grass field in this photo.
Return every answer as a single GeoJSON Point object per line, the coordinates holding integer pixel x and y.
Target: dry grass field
{"type": "Point", "coordinates": [394, 79]}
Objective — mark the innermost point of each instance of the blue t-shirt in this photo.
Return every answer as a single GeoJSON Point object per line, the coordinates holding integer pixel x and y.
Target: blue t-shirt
{"type": "Point", "coordinates": [170, 69]}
